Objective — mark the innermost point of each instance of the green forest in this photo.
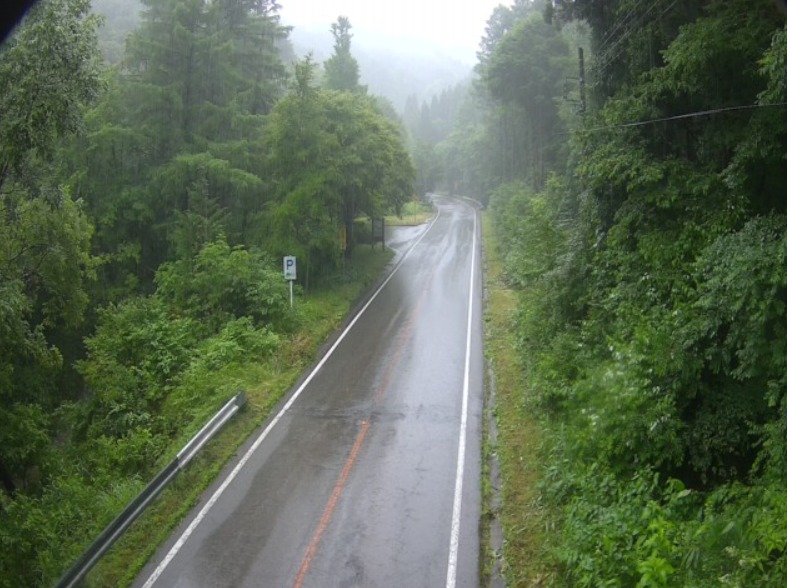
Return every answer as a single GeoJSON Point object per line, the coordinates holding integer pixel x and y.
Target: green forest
{"type": "Point", "coordinates": [632, 158]}
{"type": "Point", "coordinates": [146, 199]}
{"type": "Point", "coordinates": [639, 200]}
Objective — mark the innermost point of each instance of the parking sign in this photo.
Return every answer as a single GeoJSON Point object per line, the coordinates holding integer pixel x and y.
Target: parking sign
{"type": "Point", "coordinates": [289, 267]}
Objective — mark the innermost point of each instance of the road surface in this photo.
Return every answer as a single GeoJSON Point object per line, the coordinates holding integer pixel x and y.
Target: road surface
{"type": "Point", "coordinates": [369, 472]}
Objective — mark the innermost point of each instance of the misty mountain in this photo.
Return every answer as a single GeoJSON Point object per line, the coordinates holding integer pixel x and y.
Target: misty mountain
{"type": "Point", "coordinates": [391, 67]}
{"type": "Point", "coordinates": [395, 68]}
{"type": "Point", "coordinates": [120, 18]}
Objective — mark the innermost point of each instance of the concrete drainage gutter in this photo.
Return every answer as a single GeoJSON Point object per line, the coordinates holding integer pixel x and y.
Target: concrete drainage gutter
{"type": "Point", "coordinates": [496, 537]}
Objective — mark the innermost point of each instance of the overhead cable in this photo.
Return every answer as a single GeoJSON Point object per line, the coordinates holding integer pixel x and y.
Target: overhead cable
{"type": "Point", "coordinates": [683, 116]}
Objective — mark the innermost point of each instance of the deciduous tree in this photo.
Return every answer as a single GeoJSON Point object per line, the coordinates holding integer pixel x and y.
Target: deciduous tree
{"type": "Point", "coordinates": [49, 73]}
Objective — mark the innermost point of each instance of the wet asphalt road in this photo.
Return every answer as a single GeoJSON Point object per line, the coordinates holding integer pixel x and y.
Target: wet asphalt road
{"type": "Point", "coordinates": [354, 483]}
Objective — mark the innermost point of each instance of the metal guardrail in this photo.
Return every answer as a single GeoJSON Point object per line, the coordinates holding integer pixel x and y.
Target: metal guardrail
{"type": "Point", "coordinates": [77, 572]}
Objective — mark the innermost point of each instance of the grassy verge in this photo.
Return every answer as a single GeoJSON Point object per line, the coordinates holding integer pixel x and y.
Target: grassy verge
{"type": "Point", "coordinates": [265, 383]}
{"type": "Point", "coordinates": [413, 213]}
{"type": "Point", "coordinates": [518, 436]}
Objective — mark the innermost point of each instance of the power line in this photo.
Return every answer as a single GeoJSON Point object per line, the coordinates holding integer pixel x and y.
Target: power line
{"type": "Point", "coordinates": [606, 52]}
{"type": "Point", "coordinates": [623, 21]}
{"type": "Point", "coordinates": [682, 116]}
{"type": "Point", "coordinates": [605, 58]}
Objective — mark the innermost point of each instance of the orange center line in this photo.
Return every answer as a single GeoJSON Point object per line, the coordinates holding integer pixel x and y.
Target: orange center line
{"type": "Point", "coordinates": [331, 506]}
{"type": "Point", "coordinates": [333, 501]}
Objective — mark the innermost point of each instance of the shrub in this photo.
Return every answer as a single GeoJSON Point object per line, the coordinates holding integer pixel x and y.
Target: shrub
{"type": "Point", "coordinates": [133, 360]}
{"type": "Point", "coordinates": [223, 283]}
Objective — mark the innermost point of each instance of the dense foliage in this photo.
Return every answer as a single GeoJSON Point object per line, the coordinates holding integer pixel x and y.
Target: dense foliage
{"type": "Point", "coordinates": [333, 155]}
{"type": "Point", "coordinates": [646, 239]}
{"type": "Point", "coordinates": [143, 207]}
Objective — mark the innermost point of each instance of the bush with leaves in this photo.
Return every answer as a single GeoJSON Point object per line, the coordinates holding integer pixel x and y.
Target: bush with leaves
{"type": "Point", "coordinates": [223, 283]}
{"type": "Point", "coordinates": [615, 533]}
{"type": "Point", "coordinates": [527, 230]}
{"type": "Point", "coordinates": [134, 360]}
{"type": "Point", "coordinates": [740, 328]}
{"type": "Point", "coordinates": [41, 533]}
{"type": "Point", "coordinates": [209, 377]}
{"type": "Point", "coordinates": [646, 531]}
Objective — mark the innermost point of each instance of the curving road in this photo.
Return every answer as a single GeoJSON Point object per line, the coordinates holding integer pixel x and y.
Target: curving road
{"type": "Point", "coordinates": [368, 475]}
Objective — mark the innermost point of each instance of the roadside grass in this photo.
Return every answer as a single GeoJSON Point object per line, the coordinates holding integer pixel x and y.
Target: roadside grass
{"type": "Point", "coordinates": [265, 382]}
{"type": "Point", "coordinates": [414, 212]}
{"type": "Point", "coordinates": [526, 560]}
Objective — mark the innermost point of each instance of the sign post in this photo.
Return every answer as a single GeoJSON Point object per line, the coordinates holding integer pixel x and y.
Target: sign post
{"type": "Point", "coordinates": [378, 230]}
{"type": "Point", "coordinates": [290, 272]}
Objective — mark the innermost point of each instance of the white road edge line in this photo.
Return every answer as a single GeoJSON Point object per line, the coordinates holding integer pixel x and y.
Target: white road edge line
{"type": "Point", "coordinates": [233, 474]}
{"type": "Point", "coordinates": [453, 554]}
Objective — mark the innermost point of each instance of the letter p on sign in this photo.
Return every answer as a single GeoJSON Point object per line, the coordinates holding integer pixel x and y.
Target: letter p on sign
{"type": "Point", "coordinates": [289, 268]}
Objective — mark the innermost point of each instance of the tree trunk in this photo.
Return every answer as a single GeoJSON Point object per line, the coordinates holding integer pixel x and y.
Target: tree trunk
{"type": "Point", "coordinates": [7, 480]}
{"type": "Point", "coordinates": [349, 218]}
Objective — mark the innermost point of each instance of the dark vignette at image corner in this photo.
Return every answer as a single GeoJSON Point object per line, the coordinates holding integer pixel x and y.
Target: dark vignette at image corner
{"type": "Point", "coordinates": [12, 12]}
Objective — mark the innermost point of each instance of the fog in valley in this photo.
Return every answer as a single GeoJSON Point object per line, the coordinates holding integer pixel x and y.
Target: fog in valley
{"type": "Point", "coordinates": [395, 64]}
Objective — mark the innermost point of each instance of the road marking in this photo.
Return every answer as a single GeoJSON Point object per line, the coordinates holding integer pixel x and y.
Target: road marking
{"type": "Point", "coordinates": [453, 553]}
{"type": "Point", "coordinates": [342, 482]}
{"type": "Point", "coordinates": [257, 442]}
{"type": "Point", "coordinates": [331, 506]}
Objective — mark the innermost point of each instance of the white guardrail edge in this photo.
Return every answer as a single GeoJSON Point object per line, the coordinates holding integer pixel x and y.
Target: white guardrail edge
{"type": "Point", "coordinates": [207, 432]}
{"type": "Point", "coordinates": [74, 576]}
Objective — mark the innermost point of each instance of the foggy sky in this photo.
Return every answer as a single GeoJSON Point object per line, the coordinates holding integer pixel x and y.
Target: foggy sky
{"type": "Point", "coordinates": [455, 26]}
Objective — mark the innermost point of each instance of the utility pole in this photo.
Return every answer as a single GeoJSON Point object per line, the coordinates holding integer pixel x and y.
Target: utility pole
{"type": "Point", "coordinates": [582, 103]}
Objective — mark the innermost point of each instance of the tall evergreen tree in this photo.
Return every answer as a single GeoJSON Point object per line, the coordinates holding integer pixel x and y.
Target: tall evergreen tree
{"type": "Point", "coordinates": [524, 74]}
{"type": "Point", "coordinates": [181, 131]}
{"type": "Point", "coordinates": [341, 68]}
